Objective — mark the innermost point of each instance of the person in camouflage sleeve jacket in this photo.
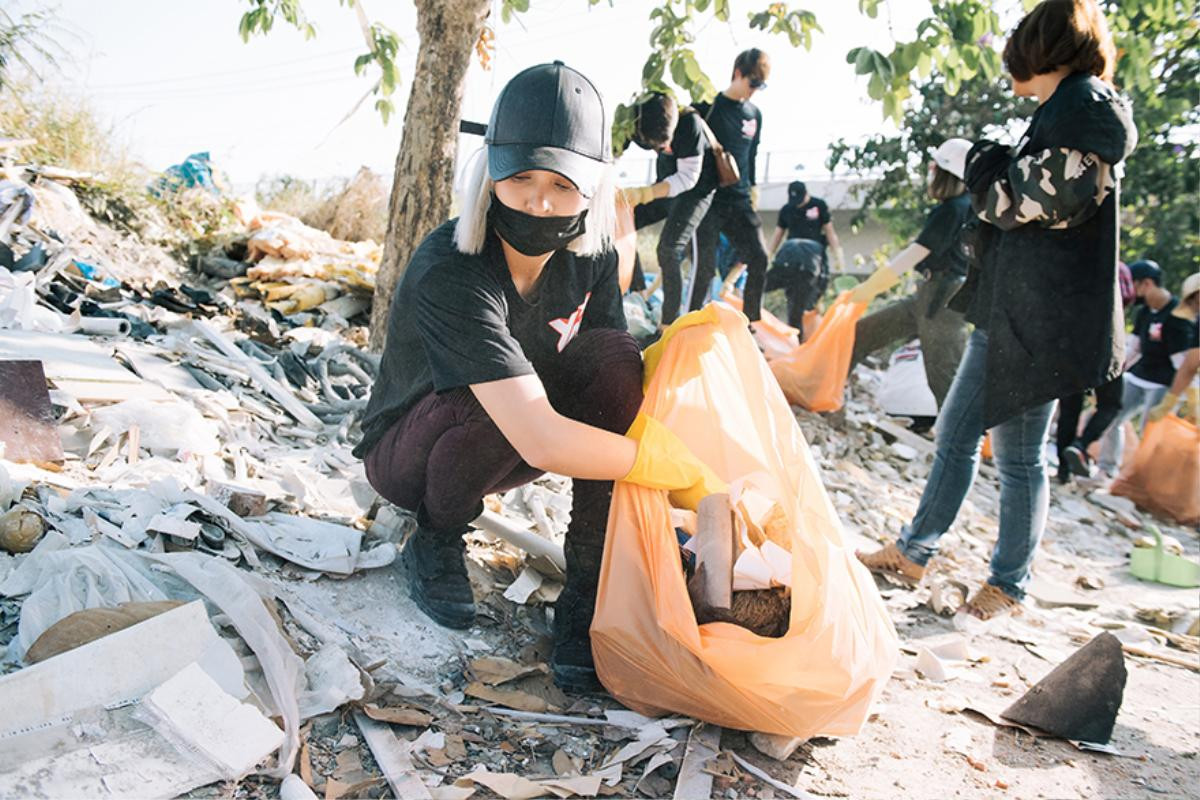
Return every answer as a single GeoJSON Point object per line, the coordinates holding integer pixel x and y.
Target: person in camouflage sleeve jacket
{"type": "Point", "coordinates": [1042, 292]}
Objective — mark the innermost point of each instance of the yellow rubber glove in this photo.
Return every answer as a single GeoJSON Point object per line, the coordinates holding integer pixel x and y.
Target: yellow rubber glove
{"type": "Point", "coordinates": [637, 195]}
{"type": "Point", "coordinates": [1190, 410]}
{"type": "Point", "coordinates": [1165, 406]}
{"type": "Point", "coordinates": [880, 281]}
{"type": "Point", "coordinates": [653, 354]}
{"type": "Point", "coordinates": [664, 462]}
{"type": "Point", "coordinates": [754, 197]}
{"type": "Point", "coordinates": [839, 259]}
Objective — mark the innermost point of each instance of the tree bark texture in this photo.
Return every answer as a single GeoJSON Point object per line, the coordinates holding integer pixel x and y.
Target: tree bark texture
{"type": "Point", "coordinates": [423, 181]}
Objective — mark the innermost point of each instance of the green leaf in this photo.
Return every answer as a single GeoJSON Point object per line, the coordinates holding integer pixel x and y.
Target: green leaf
{"type": "Point", "coordinates": [924, 64]}
{"type": "Point", "coordinates": [385, 109]}
{"type": "Point", "coordinates": [882, 65]}
{"type": "Point", "coordinates": [679, 72]}
{"type": "Point", "coordinates": [863, 61]}
{"type": "Point", "coordinates": [875, 87]}
{"type": "Point", "coordinates": [852, 55]}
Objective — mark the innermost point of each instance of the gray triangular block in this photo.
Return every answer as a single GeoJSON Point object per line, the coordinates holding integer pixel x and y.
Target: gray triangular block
{"type": "Point", "coordinates": [1080, 698]}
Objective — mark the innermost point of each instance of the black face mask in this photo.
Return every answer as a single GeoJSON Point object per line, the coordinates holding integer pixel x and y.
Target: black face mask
{"type": "Point", "coordinates": [534, 236]}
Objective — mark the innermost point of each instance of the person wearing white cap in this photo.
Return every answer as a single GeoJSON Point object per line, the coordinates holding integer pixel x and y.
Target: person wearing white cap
{"type": "Point", "coordinates": [940, 252]}
{"type": "Point", "coordinates": [1184, 384]}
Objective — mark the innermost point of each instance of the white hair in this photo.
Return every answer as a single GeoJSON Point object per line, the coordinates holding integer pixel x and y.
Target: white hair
{"type": "Point", "coordinates": [475, 198]}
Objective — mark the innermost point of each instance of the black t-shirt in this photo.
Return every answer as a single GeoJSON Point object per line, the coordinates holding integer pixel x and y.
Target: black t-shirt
{"type": "Point", "coordinates": [738, 127]}
{"type": "Point", "coordinates": [457, 320]}
{"type": "Point", "coordinates": [1162, 335]}
{"type": "Point", "coordinates": [806, 221]}
{"type": "Point", "coordinates": [942, 235]}
{"type": "Point", "coordinates": [689, 141]}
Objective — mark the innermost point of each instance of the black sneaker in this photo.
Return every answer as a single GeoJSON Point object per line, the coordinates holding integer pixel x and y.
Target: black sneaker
{"type": "Point", "coordinates": [571, 662]}
{"type": "Point", "coordinates": [1078, 461]}
{"type": "Point", "coordinates": [437, 576]}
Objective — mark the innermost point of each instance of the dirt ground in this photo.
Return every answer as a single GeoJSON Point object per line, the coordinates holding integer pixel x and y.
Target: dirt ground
{"type": "Point", "coordinates": [920, 742]}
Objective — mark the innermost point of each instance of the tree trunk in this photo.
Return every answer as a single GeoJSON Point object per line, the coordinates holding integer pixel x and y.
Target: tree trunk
{"type": "Point", "coordinates": [423, 181]}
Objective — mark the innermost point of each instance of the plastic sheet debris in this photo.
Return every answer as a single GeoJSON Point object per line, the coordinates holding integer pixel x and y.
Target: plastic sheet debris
{"type": "Point", "coordinates": [332, 681]}
{"type": "Point", "coordinates": [318, 545]}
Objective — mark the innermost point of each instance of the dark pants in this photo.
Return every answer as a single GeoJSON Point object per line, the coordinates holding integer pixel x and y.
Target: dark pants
{"type": "Point", "coordinates": [803, 275]}
{"type": "Point", "coordinates": [1108, 406]}
{"type": "Point", "coordinates": [446, 453]}
{"type": "Point", "coordinates": [734, 217]}
{"type": "Point", "coordinates": [683, 215]}
{"type": "Point", "coordinates": [943, 336]}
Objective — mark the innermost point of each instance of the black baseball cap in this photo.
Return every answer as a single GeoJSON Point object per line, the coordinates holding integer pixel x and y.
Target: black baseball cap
{"type": "Point", "coordinates": [1140, 270]}
{"type": "Point", "coordinates": [550, 117]}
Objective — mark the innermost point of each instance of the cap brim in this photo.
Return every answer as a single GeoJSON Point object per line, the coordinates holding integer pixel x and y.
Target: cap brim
{"type": "Point", "coordinates": [507, 160]}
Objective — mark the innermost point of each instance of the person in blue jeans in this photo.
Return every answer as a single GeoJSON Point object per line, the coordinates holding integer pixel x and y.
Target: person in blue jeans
{"type": "Point", "coordinates": [1050, 210]}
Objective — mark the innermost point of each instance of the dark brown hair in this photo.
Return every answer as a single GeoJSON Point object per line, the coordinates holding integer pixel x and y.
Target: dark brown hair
{"type": "Point", "coordinates": [1061, 33]}
{"type": "Point", "coordinates": [753, 64]}
{"type": "Point", "coordinates": [945, 184]}
{"type": "Point", "coordinates": [656, 120]}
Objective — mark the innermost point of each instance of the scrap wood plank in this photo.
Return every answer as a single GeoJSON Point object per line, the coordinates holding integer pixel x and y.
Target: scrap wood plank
{"type": "Point", "coordinates": [393, 757]}
{"type": "Point", "coordinates": [703, 744]}
{"type": "Point", "coordinates": [28, 429]}
{"type": "Point", "coordinates": [282, 394]}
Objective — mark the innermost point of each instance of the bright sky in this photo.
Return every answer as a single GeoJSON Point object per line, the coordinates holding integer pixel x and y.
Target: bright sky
{"type": "Point", "coordinates": [175, 78]}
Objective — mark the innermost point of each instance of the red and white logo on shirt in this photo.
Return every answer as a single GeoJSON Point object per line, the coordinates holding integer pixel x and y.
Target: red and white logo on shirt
{"type": "Point", "coordinates": [1154, 331]}
{"type": "Point", "coordinates": [749, 128]}
{"type": "Point", "coordinates": [567, 327]}
{"type": "Point", "coordinates": [813, 212]}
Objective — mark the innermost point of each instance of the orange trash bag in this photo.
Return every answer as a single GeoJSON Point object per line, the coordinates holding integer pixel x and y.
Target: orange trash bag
{"type": "Point", "coordinates": [1164, 477]}
{"type": "Point", "coordinates": [774, 336]}
{"type": "Point", "coordinates": [713, 389]}
{"type": "Point", "coordinates": [814, 374]}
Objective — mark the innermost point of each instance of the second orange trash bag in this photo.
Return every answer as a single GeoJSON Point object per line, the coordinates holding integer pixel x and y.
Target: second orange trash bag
{"type": "Point", "coordinates": [711, 387]}
{"type": "Point", "coordinates": [1164, 477]}
{"type": "Point", "coordinates": [814, 374]}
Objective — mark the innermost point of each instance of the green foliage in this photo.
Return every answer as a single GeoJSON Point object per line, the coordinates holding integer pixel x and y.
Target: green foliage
{"type": "Point", "coordinates": [1159, 68]}
{"type": "Point", "coordinates": [956, 40]}
{"type": "Point", "coordinates": [261, 18]}
{"type": "Point", "coordinates": [797, 26]}
{"type": "Point", "coordinates": [383, 43]}
{"type": "Point", "coordinates": [1159, 41]}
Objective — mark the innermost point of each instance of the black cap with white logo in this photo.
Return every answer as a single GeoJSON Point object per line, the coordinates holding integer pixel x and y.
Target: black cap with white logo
{"type": "Point", "coordinates": [550, 117]}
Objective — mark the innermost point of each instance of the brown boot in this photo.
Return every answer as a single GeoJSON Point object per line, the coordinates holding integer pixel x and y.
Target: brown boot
{"type": "Point", "coordinates": [891, 562]}
{"type": "Point", "coordinates": [992, 601]}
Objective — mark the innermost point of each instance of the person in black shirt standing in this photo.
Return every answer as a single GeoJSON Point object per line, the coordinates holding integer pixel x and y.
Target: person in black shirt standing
{"type": "Point", "coordinates": [737, 125]}
{"type": "Point", "coordinates": [1161, 337]}
{"type": "Point", "coordinates": [808, 217]}
{"type": "Point", "coordinates": [683, 192]}
{"type": "Point", "coordinates": [1184, 384]}
{"type": "Point", "coordinates": [507, 356]}
{"type": "Point", "coordinates": [940, 253]}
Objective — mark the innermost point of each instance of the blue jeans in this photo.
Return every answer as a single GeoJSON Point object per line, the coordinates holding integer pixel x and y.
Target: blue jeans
{"type": "Point", "coordinates": [1019, 447]}
{"type": "Point", "coordinates": [1134, 400]}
